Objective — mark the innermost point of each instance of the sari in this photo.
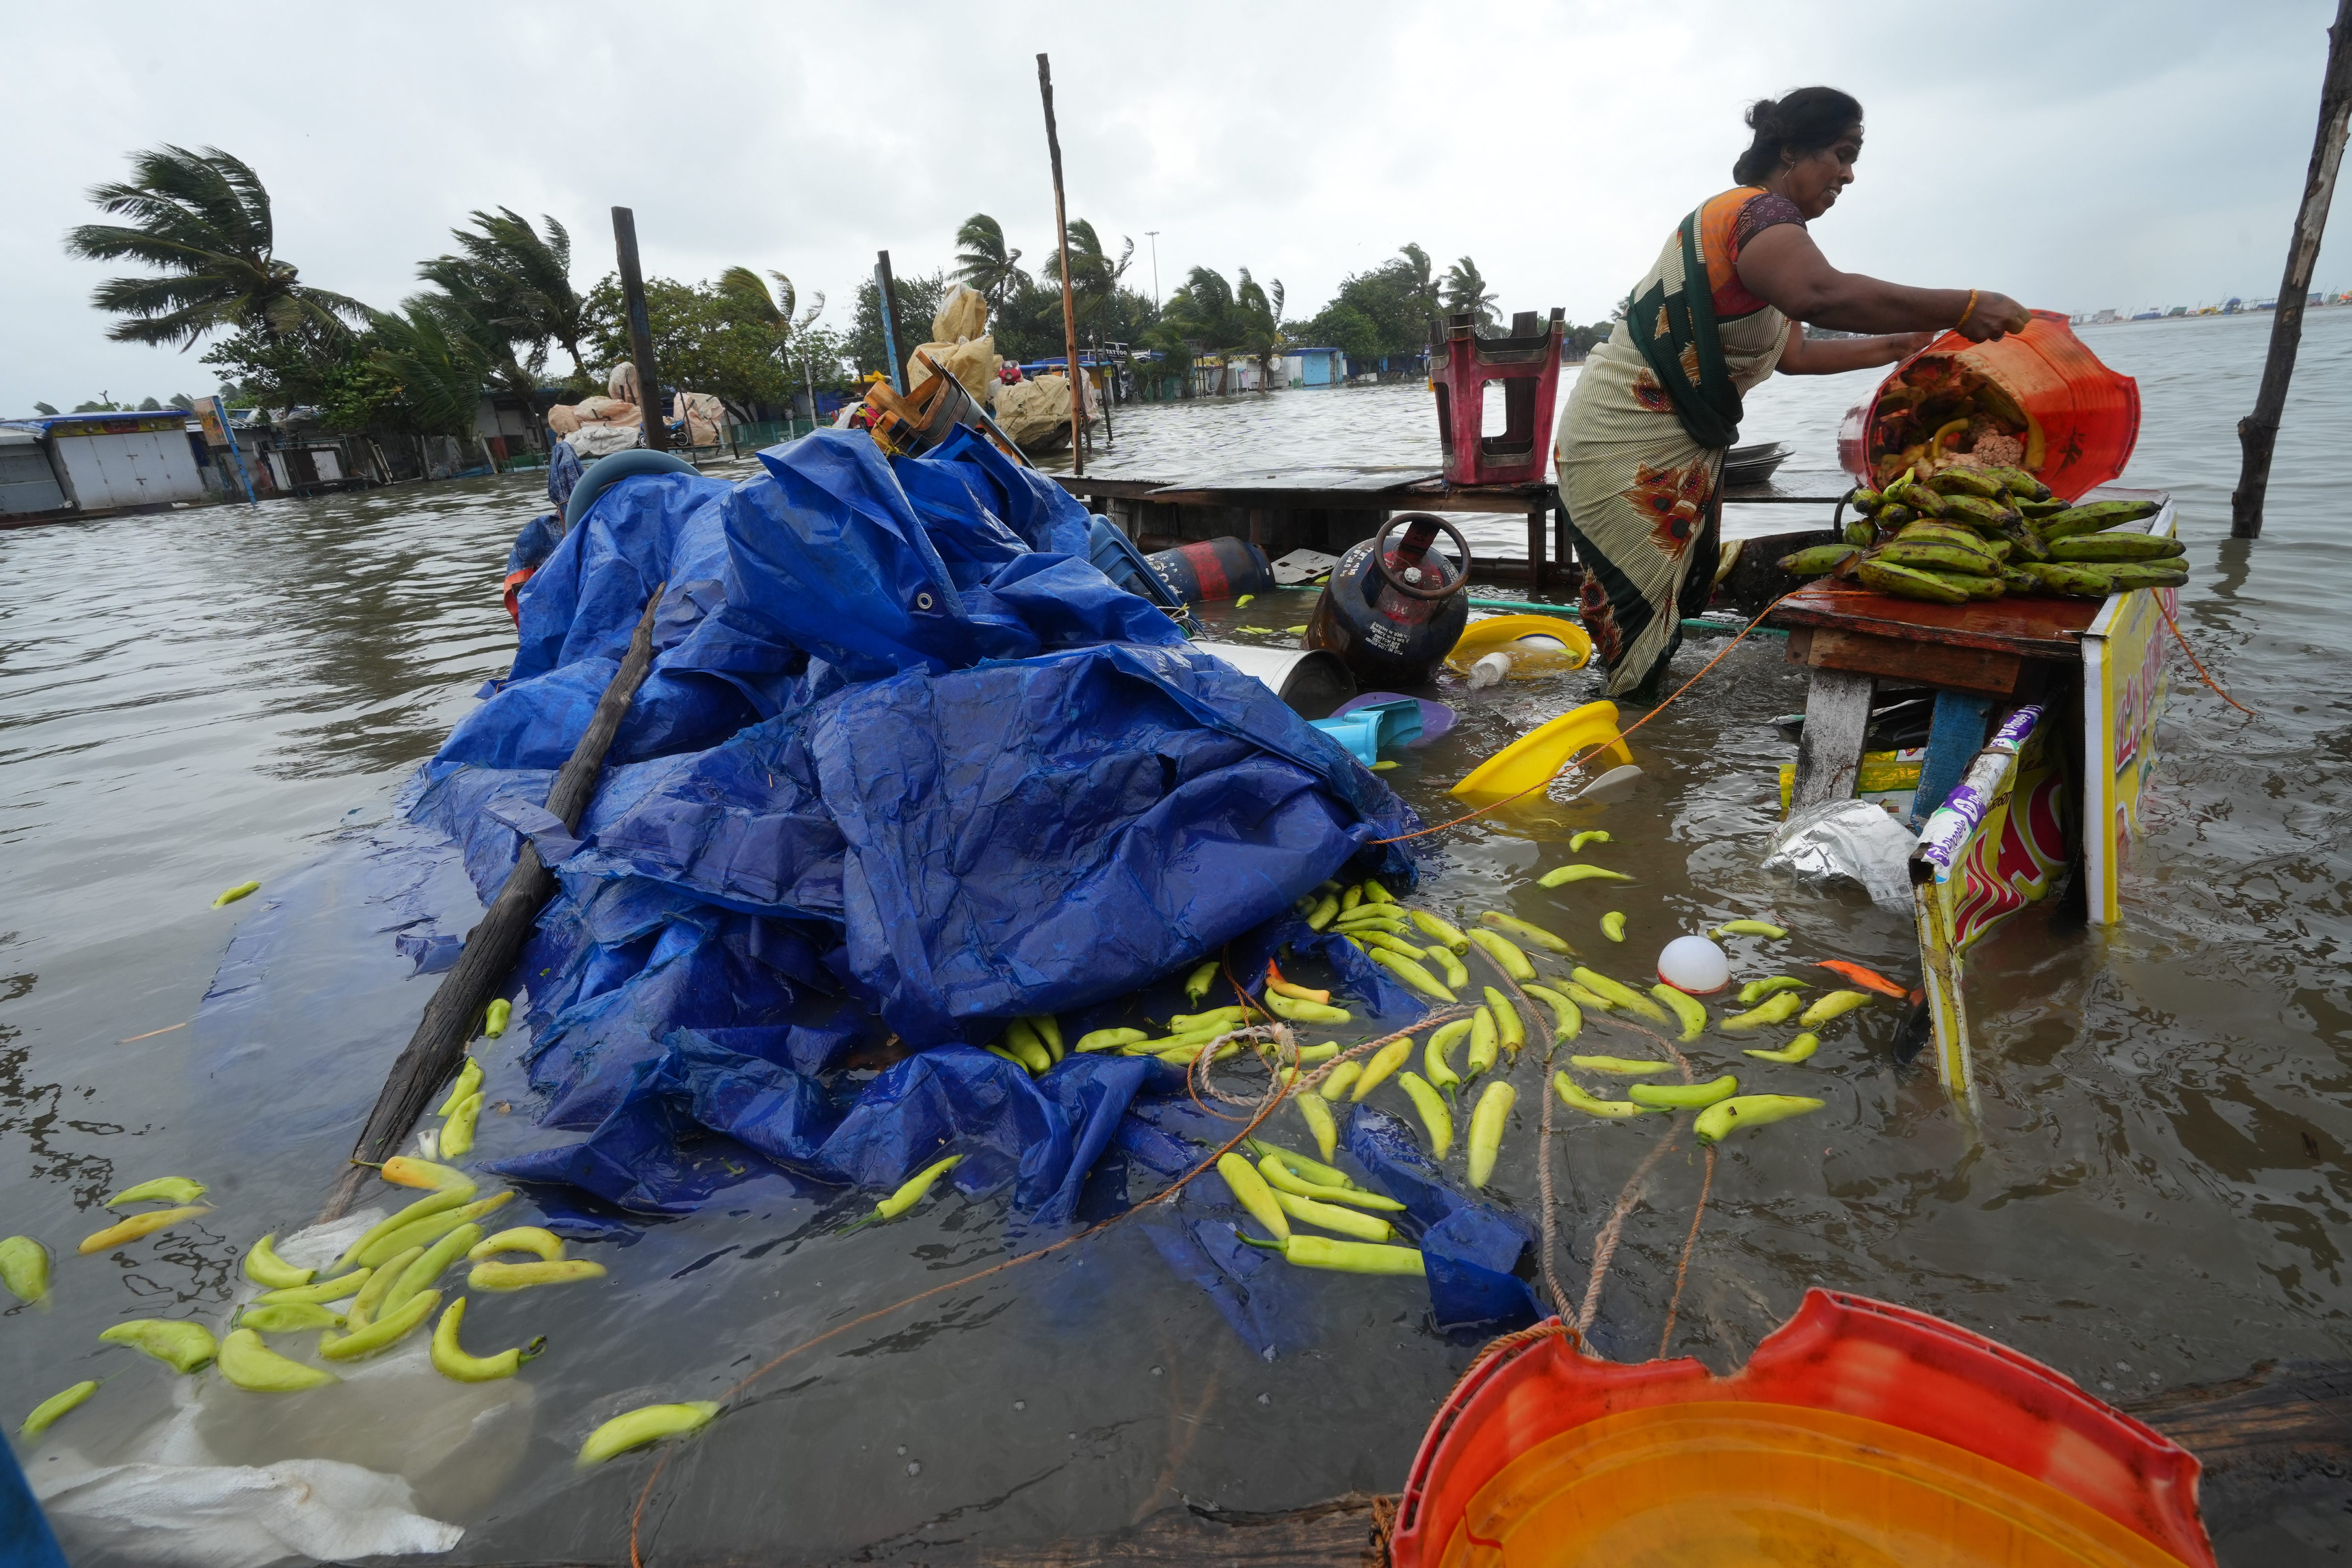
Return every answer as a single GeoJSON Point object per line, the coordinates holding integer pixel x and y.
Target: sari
{"type": "Point", "coordinates": [1641, 446]}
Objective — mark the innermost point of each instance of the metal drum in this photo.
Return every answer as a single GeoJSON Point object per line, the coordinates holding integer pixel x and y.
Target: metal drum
{"type": "Point", "coordinates": [1393, 614]}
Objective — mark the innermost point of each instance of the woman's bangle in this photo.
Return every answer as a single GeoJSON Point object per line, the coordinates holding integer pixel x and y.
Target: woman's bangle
{"type": "Point", "coordinates": [1967, 313]}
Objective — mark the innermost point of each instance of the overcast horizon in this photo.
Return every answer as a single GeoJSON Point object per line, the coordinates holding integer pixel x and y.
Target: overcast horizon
{"type": "Point", "coordinates": [2150, 155]}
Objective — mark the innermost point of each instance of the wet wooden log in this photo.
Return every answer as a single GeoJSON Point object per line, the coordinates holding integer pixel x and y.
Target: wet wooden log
{"type": "Point", "coordinates": [451, 1018]}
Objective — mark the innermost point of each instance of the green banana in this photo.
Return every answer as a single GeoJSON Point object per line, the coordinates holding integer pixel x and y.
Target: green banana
{"type": "Point", "coordinates": [1583, 996]}
{"type": "Point", "coordinates": [1250, 1190]}
{"type": "Point", "coordinates": [2048, 507]}
{"type": "Point", "coordinates": [454, 1195]}
{"type": "Point", "coordinates": [1217, 1020]}
{"type": "Point", "coordinates": [2093, 517]}
{"type": "Point", "coordinates": [1755, 991]}
{"type": "Point", "coordinates": [1346, 1257]}
{"type": "Point", "coordinates": [1507, 953]}
{"type": "Point", "coordinates": [1444, 931]}
{"type": "Point", "coordinates": [1197, 983]}
{"type": "Point", "coordinates": [1487, 1122]}
{"type": "Point", "coordinates": [1895, 517]}
{"type": "Point", "coordinates": [1383, 1066]}
{"type": "Point", "coordinates": [1958, 536]}
{"type": "Point", "coordinates": [458, 1127]}
{"type": "Point", "coordinates": [2125, 576]}
{"type": "Point", "coordinates": [1433, 1060]}
{"type": "Point", "coordinates": [422, 1232]}
{"type": "Point", "coordinates": [646, 1424]}
{"type": "Point", "coordinates": [1718, 1120]}
{"type": "Point", "coordinates": [1815, 559]}
{"type": "Point", "coordinates": [47, 1412]}
{"type": "Point", "coordinates": [1625, 998]}
{"type": "Point", "coordinates": [1774, 1010]}
{"type": "Point", "coordinates": [1567, 1019]}
{"type": "Point", "coordinates": [288, 1317]}
{"type": "Point", "coordinates": [161, 1189]}
{"type": "Point", "coordinates": [363, 1305]}
{"type": "Point", "coordinates": [1349, 1222]}
{"type": "Point", "coordinates": [469, 1078]}
{"type": "Point", "coordinates": [25, 1268]}
{"type": "Point", "coordinates": [418, 1276]}
{"type": "Point", "coordinates": [1282, 1178]}
{"type": "Point", "coordinates": [1509, 1027]}
{"type": "Point", "coordinates": [1323, 913]}
{"type": "Point", "coordinates": [496, 1276]}
{"type": "Point", "coordinates": [1751, 928]}
{"type": "Point", "coordinates": [265, 1268]}
{"type": "Point", "coordinates": [1434, 1116]}
{"type": "Point", "coordinates": [1835, 1005]}
{"type": "Point", "coordinates": [1412, 974]}
{"type": "Point", "coordinates": [231, 895]}
{"type": "Point", "coordinates": [1926, 502]}
{"type": "Point", "coordinates": [1298, 1012]}
{"type": "Point", "coordinates": [1527, 931]}
{"type": "Point", "coordinates": [1619, 1066]}
{"type": "Point", "coordinates": [1684, 1096]}
{"type": "Point", "coordinates": [1588, 836]}
{"type": "Point", "coordinates": [139, 1224]}
{"type": "Point", "coordinates": [1396, 945]}
{"type": "Point", "coordinates": [1577, 1099]}
{"type": "Point", "coordinates": [2025, 545]}
{"type": "Point", "coordinates": [1561, 876]}
{"type": "Point", "coordinates": [2024, 487]}
{"type": "Point", "coordinates": [1797, 1050]}
{"type": "Point", "coordinates": [1456, 977]}
{"type": "Point", "coordinates": [1350, 898]}
{"type": "Point", "coordinates": [2116, 547]}
{"type": "Point", "coordinates": [1375, 893]}
{"type": "Point", "coordinates": [1866, 501]}
{"type": "Point", "coordinates": [182, 1346]}
{"type": "Point", "coordinates": [1932, 558]}
{"type": "Point", "coordinates": [1992, 587]}
{"type": "Point", "coordinates": [909, 1193]}
{"type": "Point", "coordinates": [1955, 482]}
{"type": "Point", "coordinates": [1981, 514]}
{"type": "Point", "coordinates": [1308, 1055]}
{"type": "Point", "coordinates": [1108, 1039]}
{"type": "Point", "coordinates": [335, 1290]}
{"type": "Point", "coordinates": [1300, 1166]}
{"type": "Point", "coordinates": [1316, 1111]}
{"type": "Point", "coordinates": [1685, 1008]}
{"type": "Point", "coordinates": [2000, 547]}
{"type": "Point", "coordinates": [1486, 1043]}
{"type": "Point", "coordinates": [1022, 1043]}
{"type": "Point", "coordinates": [496, 1017]}
{"type": "Point", "coordinates": [450, 1360]}
{"type": "Point", "coordinates": [251, 1365]}
{"type": "Point", "coordinates": [1906, 582]}
{"type": "Point", "coordinates": [1339, 1081]}
{"type": "Point", "coordinates": [2018, 581]}
{"type": "Point", "coordinates": [1612, 925]}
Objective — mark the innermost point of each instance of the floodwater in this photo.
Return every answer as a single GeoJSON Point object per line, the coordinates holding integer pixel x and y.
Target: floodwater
{"type": "Point", "coordinates": [2157, 1194]}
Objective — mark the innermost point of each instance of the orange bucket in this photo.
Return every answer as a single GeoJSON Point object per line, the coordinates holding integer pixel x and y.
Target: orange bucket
{"type": "Point", "coordinates": [1859, 1433]}
{"type": "Point", "coordinates": [2079, 419]}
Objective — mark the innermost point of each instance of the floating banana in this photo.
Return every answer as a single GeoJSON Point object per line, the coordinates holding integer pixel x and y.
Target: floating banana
{"type": "Point", "coordinates": [1625, 998]}
{"type": "Point", "coordinates": [1108, 1039]}
{"type": "Point", "coordinates": [1774, 1010]}
{"type": "Point", "coordinates": [1755, 991]}
{"type": "Point", "coordinates": [1412, 975]}
{"type": "Point", "coordinates": [1376, 893]}
{"type": "Point", "coordinates": [182, 1346]}
{"type": "Point", "coordinates": [496, 1017]}
{"type": "Point", "coordinates": [1568, 1018]}
{"type": "Point", "coordinates": [251, 1365]}
{"type": "Point", "coordinates": [1197, 983]}
{"type": "Point", "coordinates": [469, 1078]}
{"type": "Point", "coordinates": [1486, 1042]}
{"type": "Point", "coordinates": [241, 890]}
{"type": "Point", "coordinates": [1275, 982]}
{"type": "Point", "coordinates": [1323, 913]}
{"type": "Point", "coordinates": [1797, 1050]}
{"type": "Point", "coordinates": [1280, 1177]}
{"type": "Point", "coordinates": [1509, 1026]}
{"type": "Point", "coordinates": [422, 1232]}
{"type": "Point", "coordinates": [139, 1224]}
{"type": "Point", "coordinates": [450, 1360]}
{"type": "Point", "coordinates": [418, 1276]}
{"type": "Point", "coordinates": [1297, 1011]}
{"type": "Point", "coordinates": [1441, 1071]}
{"type": "Point", "coordinates": [25, 1268]}
{"type": "Point", "coordinates": [440, 1201]}
{"type": "Point", "coordinates": [1383, 1065]}
{"type": "Point", "coordinates": [1577, 1099]}
{"type": "Point", "coordinates": [1350, 1222]}
{"type": "Point", "coordinates": [371, 1295]}
{"type": "Point", "coordinates": [1506, 953]}
{"type": "Point", "coordinates": [647, 1423]}
{"type": "Point", "coordinates": [1685, 1008]}
{"type": "Point", "coordinates": [1346, 1257]}
{"type": "Point", "coordinates": [457, 1128]}
{"type": "Point", "coordinates": [1561, 876]}
{"type": "Point", "coordinates": [1684, 1096]}
{"type": "Point", "coordinates": [909, 1193]}
{"type": "Point", "coordinates": [496, 1276]}
{"type": "Point", "coordinates": [1456, 977]}
{"type": "Point", "coordinates": [1584, 997]}
{"type": "Point", "coordinates": [1217, 1020]}
{"type": "Point", "coordinates": [1749, 928]}
{"type": "Point", "coordinates": [1612, 925]}
{"type": "Point", "coordinates": [1308, 1055]}
{"type": "Point", "coordinates": [1434, 1116]}
{"type": "Point", "coordinates": [1444, 931]}
{"type": "Point", "coordinates": [1251, 1191]}
{"type": "Point", "coordinates": [1396, 945]}
{"type": "Point", "coordinates": [1300, 1166]}
{"type": "Point", "coordinates": [163, 1189]}
{"type": "Point", "coordinates": [288, 1317]}
{"type": "Point", "coordinates": [1487, 1121]}
{"type": "Point", "coordinates": [1340, 1080]}
{"type": "Point", "coordinates": [1619, 1066]}
{"type": "Point", "coordinates": [266, 1269]}
{"type": "Point", "coordinates": [1718, 1120]}
{"type": "Point", "coordinates": [334, 1290]}
{"type": "Point", "coordinates": [1527, 931]}
{"type": "Point", "coordinates": [1835, 1005]}
{"type": "Point", "coordinates": [1316, 1111]}
{"type": "Point", "coordinates": [408, 1170]}
{"type": "Point", "coordinates": [46, 1413]}
{"type": "Point", "coordinates": [1589, 836]}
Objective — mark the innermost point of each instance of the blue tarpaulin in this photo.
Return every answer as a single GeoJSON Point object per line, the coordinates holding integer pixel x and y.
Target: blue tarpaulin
{"type": "Point", "coordinates": [906, 767]}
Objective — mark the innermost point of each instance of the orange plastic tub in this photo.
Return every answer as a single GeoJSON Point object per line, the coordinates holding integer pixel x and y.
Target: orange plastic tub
{"type": "Point", "coordinates": [1859, 1433]}
{"type": "Point", "coordinates": [2080, 420]}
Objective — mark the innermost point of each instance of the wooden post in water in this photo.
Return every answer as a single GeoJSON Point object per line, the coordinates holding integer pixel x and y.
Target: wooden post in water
{"type": "Point", "coordinates": [641, 331]}
{"type": "Point", "coordinates": [886, 305]}
{"type": "Point", "coordinates": [1069, 307]}
{"type": "Point", "coordinates": [2258, 432]}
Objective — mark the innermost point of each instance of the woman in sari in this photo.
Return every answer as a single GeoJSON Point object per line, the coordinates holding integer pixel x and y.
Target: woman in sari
{"type": "Point", "coordinates": [1641, 446]}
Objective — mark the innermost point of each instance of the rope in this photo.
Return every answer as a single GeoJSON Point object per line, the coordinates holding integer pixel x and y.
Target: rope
{"type": "Point", "coordinates": [2185, 648]}
{"type": "Point", "coordinates": [1682, 1269]}
{"type": "Point", "coordinates": [1600, 746]}
{"type": "Point", "coordinates": [1604, 1246]}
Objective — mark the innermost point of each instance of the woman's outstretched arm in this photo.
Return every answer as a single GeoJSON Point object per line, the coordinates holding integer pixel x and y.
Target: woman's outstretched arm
{"type": "Point", "coordinates": [1786, 270]}
{"type": "Point", "coordinates": [1803, 356]}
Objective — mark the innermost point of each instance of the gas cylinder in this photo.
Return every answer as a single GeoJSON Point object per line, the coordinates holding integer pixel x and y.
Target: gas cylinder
{"type": "Point", "coordinates": [1392, 614]}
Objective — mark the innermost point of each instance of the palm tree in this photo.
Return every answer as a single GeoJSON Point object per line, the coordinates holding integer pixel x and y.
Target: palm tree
{"type": "Point", "coordinates": [518, 278]}
{"type": "Point", "coordinates": [985, 263]}
{"type": "Point", "coordinates": [1095, 276]}
{"type": "Point", "coordinates": [203, 219]}
{"type": "Point", "coordinates": [1466, 293]}
{"type": "Point", "coordinates": [439, 372]}
{"type": "Point", "coordinates": [1258, 316]}
{"type": "Point", "coordinates": [747, 292]}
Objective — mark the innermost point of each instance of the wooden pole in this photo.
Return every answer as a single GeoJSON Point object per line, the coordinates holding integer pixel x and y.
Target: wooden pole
{"type": "Point", "coordinates": [2258, 432]}
{"type": "Point", "coordinates": [1069, 307]}
{"type": "Point", "coordinates": [641, 331]}
{"type": "Point", "coordinates": [492, 946]}
{"type": "Point", "coordinates": [885, 303]}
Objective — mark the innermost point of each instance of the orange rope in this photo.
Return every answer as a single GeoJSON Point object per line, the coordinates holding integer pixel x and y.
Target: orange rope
{"type": "Point", "coordinates": [1600, 745]}
{"type": "Point", "coordinates": [2208, 680]}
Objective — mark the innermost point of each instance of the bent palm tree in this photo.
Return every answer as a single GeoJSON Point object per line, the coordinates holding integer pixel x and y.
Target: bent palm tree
{"type": "Point", "coordinates": [519, 278]}
{"type": "Point", "coordinates": [986, 263]}
{"type": "Point", "coordinates": [1467, 294]}
{"type": "Point", "coordinates": [203, 219]}
{"type": "Point", "coordinates": [439, 372]}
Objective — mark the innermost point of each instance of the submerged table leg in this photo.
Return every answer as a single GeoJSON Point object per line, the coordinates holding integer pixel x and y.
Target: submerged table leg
{"type": "Point", "coordinates": [1948, 1012]}
{"type": "Point", "coordinates": [1829, 758]}
{"type": "Point", "coordinates": [1538, 515]}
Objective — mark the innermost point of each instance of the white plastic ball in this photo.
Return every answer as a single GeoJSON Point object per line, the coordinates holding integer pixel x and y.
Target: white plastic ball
{"type": "Point", "coordinates": [1695, 965]}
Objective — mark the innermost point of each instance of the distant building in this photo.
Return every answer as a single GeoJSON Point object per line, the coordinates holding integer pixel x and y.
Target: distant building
{"type": "Point", "coordinates": [1317, 366]}
{"type": "Point", "coordinates": [98, 463]}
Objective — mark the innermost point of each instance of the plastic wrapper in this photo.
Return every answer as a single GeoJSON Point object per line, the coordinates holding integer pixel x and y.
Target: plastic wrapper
{"type": "Point", "coordinates": [1851, 838]}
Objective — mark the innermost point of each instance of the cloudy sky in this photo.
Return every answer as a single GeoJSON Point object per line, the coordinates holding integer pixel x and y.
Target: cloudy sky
{"type": "Point", "coordinates": [2075, 154]}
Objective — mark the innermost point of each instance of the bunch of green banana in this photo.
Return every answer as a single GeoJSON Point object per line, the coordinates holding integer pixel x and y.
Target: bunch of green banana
{"type": "Point", "coordinates": [1970, 533]}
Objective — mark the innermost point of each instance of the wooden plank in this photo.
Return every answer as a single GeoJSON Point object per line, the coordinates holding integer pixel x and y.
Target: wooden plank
{"type": "Point", "coordinates": [1901, 659]}
{"type": "Point", "coordinates": [1829, 757]}
{"type": "Point", "coordinates": [2038, 628]}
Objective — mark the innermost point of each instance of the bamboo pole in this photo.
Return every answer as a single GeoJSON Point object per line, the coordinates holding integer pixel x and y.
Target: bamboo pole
{"type": "Point", "coordinates": [2258, 432]}
{"type": "Point", "coordinates": [493, 945]}
{"type": "Point", "coordinates": [650, 418]}
{"type": "Point", "coordinates": [1069, 307]}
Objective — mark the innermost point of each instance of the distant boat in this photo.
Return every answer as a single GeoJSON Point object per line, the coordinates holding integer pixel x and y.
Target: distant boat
{"type": "Point", "coordinates": [2149, 316]}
